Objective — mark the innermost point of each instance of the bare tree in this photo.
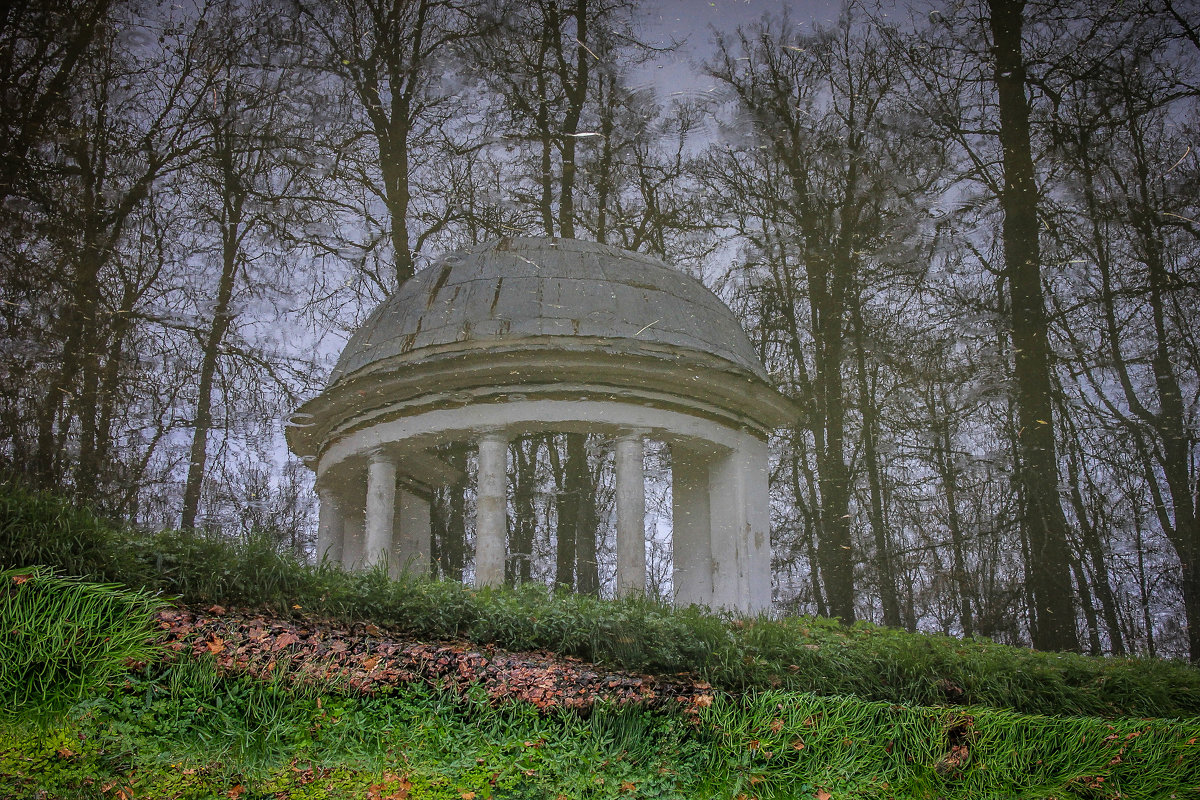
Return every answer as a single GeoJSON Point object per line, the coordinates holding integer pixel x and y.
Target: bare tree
{"type": "Point", "coordinates": [393, 61]}
{"type": "Point", "coordinates": [44, 47]}
{"type": "Point", "coordinates": [812, 194]}
{"type": "Point", "coordinates": [134, 119]}
{"type": "Point", "coordinates": [1129, 317]}
{"type": "Point", "coordinates": [245, 179]}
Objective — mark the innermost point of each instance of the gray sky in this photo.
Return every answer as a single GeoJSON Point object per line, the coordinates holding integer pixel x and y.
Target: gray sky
{"type": "Point", "coordinates": [693, 21]}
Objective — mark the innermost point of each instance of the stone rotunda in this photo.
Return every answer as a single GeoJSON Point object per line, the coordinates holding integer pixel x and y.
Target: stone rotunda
{"type": "Point", "coordinates": [523, 336]}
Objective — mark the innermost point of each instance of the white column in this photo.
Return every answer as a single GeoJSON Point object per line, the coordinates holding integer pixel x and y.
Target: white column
{"type": "Point", "coordinates": [631, 515]}
{"type": "Point", "coordinates": [691, 531]}
{"type": "Point", "coordinates": [726, 508]}
{"type": "Point", "coordinates": [412, 538]}
{"type": "Point", "coordinates": [741, 543]}
{"type": "Point", "coordinates": [756, 464]}
{"type": "Point", "coordinates": [380, 509]}
{"type": "Point", "coordinates": [491, 510]}
{"type": "Point", "coordinates": [329, 527]}
{"type": "Point", "coordinates": [352, 540]}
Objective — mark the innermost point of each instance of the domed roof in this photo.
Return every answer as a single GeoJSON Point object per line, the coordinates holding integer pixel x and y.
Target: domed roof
{"type": "Point", "coordinates": [523, 289]}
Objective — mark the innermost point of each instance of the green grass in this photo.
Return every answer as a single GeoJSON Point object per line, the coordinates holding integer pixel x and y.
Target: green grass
{"type": "Point", "coordinates": [181, 731]}
{"type": "Point", "coordinates": [879, 749]}
{"type": "Point", "coordinates": [62, 639]}
{"type": "Point", "coordinates": [800, 654]}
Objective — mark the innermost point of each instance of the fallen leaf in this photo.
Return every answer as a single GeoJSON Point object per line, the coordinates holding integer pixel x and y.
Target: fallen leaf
{"type": "Point", "coordinates": [236, 792]}
{"type": "Point", "coordinates": [467, 796]}
{"type": "Point", "coordinates": [823, 795]}
{"type": "Point", "coordinates": [626, 786]}
{"type": "Point", "coordinates": [285, 639]}
{"type": "Point", "coordinates": [216, 645]}
{"type": "Point", "coordinates": [20, 579]}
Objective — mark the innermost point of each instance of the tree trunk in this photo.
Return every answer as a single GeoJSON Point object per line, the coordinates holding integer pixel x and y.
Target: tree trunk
{"type": "Point", "coordinates": [1090, 618]}
{"type": "Point", "coordinates": [1038, 465]}
{"type": "Point", "coordinates": [453, 546]}
{"type": "Point", "coordinates": [835, 547]}
{"type": "Point", "coordinates": [233, 198]}
{"type": "Point", "coordinates": [885, 576]}
{"type": "Point", "coordinates": [1094, 551]}
{"type": "Point", "coordinates": [810, 534]}
{"type": "Point", "coordinates": [943, 458]}
{"type": "Point", "coordinates": [202, 423]}
{"type": "Point", "coordinates": [566, 524]}
{"type": "Point", "coordinates": [587, 568]}
{"type": "Point", "coordinates": [1170, 424]}
{"type": "Point", "coordinates": [525, 459]}
{"type": "Point", "coordinates": [577, 87]}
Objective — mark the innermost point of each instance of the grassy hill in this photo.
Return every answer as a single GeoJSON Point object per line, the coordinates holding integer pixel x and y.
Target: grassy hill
{"type": "Point", "coordinates": [210, 669]}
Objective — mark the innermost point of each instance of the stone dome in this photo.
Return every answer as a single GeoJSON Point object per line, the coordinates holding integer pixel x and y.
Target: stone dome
{"type": "Point", "coordinates": [524, 318]}
{"type": "Point", "coordinates": [516, 290]}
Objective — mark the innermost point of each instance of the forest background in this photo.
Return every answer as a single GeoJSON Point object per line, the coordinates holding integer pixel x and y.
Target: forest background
{"type": "Point", "coordinates": [962, 235]}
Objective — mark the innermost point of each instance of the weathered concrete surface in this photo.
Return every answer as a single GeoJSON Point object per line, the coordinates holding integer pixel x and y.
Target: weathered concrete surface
{"type": "Point", "coordinates": [491, 510]}
{"type": "Point", "coordinates": [520, 288]}
{"type": "Point", "coordinates": [631, 515]}
{"type": "Point", "coordinates": [329, 527]}
{"type": "Point", "coordinates": [380, 508]}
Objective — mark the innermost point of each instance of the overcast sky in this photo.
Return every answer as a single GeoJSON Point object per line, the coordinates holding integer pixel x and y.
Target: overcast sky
{"type": "Point", "coordinates": [693, 22]}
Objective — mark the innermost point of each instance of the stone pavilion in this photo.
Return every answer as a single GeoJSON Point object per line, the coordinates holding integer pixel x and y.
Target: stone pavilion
{"type": "Point", "coordinates": [525, 335]}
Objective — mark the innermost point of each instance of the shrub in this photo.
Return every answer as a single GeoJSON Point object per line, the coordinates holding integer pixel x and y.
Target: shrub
{"type": "Point", "coordinates": [39, 528]}
{"type": "Point", "coordinates": [202, 567]}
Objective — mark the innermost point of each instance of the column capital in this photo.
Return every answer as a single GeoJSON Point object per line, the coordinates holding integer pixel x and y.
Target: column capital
{"type": "Point", "coordinates": [493, 435]}
{"type": "Point", "coordinates": [380, 455]}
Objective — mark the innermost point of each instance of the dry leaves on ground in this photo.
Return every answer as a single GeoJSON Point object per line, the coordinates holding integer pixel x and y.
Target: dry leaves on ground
{"type": "Point", "coordinates": [366, 658]}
